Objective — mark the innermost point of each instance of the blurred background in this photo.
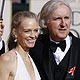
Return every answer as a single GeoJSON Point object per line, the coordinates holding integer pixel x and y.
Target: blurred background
{"type": "Point", "coordinates": [13, 6]}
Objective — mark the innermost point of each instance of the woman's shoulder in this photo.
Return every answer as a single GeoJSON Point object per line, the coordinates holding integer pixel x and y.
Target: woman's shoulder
{"type": "Point", "coordinates": [8, 64]}
{"type": "Point", "coordinates": [8, 58]}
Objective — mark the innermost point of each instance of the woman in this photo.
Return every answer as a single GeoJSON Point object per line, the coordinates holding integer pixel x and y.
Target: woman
{"type": "Point", "coordinates": [17, 63]}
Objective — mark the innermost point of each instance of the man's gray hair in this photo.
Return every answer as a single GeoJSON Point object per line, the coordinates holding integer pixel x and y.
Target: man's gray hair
{"type": "Point", "coordinates": [47, 9]}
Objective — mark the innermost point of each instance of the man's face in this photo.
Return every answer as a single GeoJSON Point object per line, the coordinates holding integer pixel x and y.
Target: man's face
{"type": "Point", "coordinates": [59, 23]}
{"type": "Point", "coordinates": [1, 29]}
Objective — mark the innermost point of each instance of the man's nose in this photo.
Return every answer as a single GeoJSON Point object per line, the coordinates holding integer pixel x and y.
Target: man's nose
{"type": "Point", "coordinates": [62, 22]}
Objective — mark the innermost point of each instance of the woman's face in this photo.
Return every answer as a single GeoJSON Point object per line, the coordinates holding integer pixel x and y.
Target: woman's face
{"type": "Point", "coordinates": [27, 33]}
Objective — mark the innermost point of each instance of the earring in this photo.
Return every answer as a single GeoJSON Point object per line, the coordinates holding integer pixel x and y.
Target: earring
{"type": "Point", "coordinates": [15, 39]}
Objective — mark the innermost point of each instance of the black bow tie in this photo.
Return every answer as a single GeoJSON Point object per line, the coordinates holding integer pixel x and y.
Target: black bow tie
{"type": "Point", "coordinates": [53, 46]}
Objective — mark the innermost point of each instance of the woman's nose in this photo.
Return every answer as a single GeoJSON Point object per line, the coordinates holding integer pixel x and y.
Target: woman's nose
{"type": "Point", "coordinates": [32, 34]}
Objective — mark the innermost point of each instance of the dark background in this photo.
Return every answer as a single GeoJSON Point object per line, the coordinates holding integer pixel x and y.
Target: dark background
{"type": "Point", "coordinates": [23, 5]}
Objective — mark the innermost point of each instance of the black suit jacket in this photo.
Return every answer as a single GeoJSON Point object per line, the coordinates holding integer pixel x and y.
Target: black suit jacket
{"type": "Point", "coordinates": [40, 55]}
{"type": "Point", "coordinates": [3, 48]}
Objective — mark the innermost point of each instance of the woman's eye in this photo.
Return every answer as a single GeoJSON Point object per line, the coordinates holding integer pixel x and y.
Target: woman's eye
{"type": "Point", "coordinates": [36, 30]}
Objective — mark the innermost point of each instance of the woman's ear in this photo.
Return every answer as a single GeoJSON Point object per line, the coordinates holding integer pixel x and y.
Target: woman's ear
{"type": "Point", "coordinates": [46, 25]}
{"type": "Point", "coordinates": [14, 32]}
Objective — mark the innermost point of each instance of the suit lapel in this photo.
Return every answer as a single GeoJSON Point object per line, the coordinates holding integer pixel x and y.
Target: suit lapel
{"type": "Point", "coordinates": [3, 48]}
{"type": "Point", "coordinates": [46, 57]}
{"type": "Point", "coordinates": [46, 60]}
{"type": "Point", "coordinates": [73, 59]}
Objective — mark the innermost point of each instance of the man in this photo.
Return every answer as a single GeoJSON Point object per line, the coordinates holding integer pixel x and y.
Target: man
{"type": "Point", "coordinates": [57, 53]}
{"type": "Point", "coordinates": [2, 45]}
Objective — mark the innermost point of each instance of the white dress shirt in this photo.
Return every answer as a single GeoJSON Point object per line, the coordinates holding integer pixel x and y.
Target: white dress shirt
{"type": "Point", "coordinates": [59, 54]}
{"type": "Point", "coordinates": [1, 45]}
